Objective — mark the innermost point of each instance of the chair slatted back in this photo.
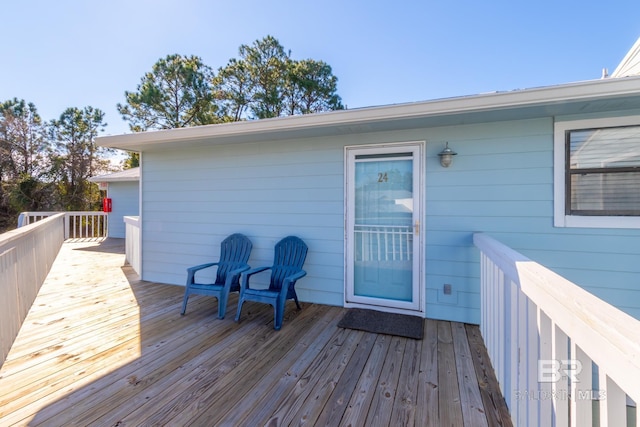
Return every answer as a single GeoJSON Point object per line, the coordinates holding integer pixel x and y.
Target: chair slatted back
{"type": "Point", "coordinates": [234, 253]}
{"type": "Point", "coordinates": [289, 257]}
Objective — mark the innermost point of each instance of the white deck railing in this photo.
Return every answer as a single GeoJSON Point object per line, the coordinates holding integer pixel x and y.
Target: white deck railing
{"type": "Point", "coordinates": [26, 256]}
{"type": "Point", "coordinates": [77, 224]}
{"type": "Point", "coordinates": [561, 355]}
{"type": "Point", "coordinates": [133, 242]}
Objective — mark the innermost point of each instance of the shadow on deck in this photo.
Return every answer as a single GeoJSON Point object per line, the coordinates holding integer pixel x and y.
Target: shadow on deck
{"type": "Point", "coordinates": [101, 347]}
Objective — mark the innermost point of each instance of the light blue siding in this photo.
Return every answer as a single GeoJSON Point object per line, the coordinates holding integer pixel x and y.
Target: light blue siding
{"type": "Point", "coordinates": [194, 198]}
{"type": "Point", "coordinates": [501, 179]}
{"type": "Point", "coordinates": [503, 185]}
{"type": "Point", "coordinates": [126, 202]}
{"type": "Point", "coordinates": [500, 183]}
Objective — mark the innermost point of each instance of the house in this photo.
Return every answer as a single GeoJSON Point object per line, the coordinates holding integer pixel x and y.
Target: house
{"type": "Point", "coordinates": [630, 64]}
{"type": "Point", "coordinates": [123, 188]}
{"type": "Point", "coordinates": [549, 172]}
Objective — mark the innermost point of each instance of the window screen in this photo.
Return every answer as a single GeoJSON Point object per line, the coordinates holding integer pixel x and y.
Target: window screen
{"type": "Point", "coordinates": [603, 171]}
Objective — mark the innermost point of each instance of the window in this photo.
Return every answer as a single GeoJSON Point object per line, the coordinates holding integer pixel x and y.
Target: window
{"type": "Point", "coordinates": [597, 165]}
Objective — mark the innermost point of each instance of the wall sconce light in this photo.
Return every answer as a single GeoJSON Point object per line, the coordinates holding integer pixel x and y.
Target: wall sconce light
{"type": "Point", "coordinates": [446, 156]}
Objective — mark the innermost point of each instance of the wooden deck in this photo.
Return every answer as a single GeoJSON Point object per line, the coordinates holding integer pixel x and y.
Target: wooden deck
{"type": "Point", "coordinates": [100, 347]}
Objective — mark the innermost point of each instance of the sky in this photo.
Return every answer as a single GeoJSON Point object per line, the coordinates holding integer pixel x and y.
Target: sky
{"type": "Point", "coordinates": [77, 53]}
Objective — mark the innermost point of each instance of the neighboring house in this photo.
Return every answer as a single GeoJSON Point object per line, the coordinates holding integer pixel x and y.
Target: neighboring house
{"type": "Point", "coordinates": [548, 171]}
{"type": "Point", "coordinates": [124, 190]}
{"type": "Point", "coordinates": [630, 64]}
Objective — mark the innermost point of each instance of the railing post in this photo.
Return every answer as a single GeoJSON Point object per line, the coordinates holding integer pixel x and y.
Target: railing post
{"type": "Point", "coordinates": [66, 225]}
{"type": "Point", "coordinates": [133, 243]}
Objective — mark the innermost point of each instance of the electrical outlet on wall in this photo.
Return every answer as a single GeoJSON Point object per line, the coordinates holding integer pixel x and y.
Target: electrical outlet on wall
{"type": "Point", "coordinates": [447, 295]}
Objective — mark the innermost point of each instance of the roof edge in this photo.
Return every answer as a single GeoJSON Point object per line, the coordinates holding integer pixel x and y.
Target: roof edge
{"type": "Point", "coordinates": [591, 89]}
{"type": "Point", "coordinates": [126, 175]}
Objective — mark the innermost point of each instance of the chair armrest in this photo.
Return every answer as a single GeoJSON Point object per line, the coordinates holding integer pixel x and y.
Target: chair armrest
{"type": "Point", "coordinates": [231, 275]}
{"type": "Point", "coordinates": [239, 270]}
{"type": "Point", "coordinates": [201, 267]}
{"type": "Point", "coordinates": [244, 284]}
{"type": "Point", "coordinates": [291, 281]}
{"type": "Point", "coordinates": [191, 271]}
{"type": "Point", "coordinates": [256, 270]}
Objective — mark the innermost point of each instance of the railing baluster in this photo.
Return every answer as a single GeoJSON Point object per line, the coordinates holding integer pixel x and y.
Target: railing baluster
{"type": "Point", "coordinates": [560, 389]}
{"type": "Point", "coordinates": [67, 231]}
{"type": "Point", "coordinates": [545, 331]}
{"type": "Point", "coordinates": [522, 384]}
{"type": "Point", "coordinates": [500, 323]}
{"type": "Point", "coordinates": [581, 407]}
{"type": "Point", "coordinates": [612, 401]}
{"type": "Point", "coordinates": [511, 383]}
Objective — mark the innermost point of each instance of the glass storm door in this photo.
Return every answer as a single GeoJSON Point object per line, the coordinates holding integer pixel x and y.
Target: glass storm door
{"type": "Point", "coordinates": [383, 226]}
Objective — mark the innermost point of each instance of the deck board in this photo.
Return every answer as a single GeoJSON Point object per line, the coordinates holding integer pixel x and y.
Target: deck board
{"type": "Point", "coordinates": [100, 347]}
{"type": "Point", "coordinates": [404, 405]}
{"type": "Point", "coordinates": [470, 400]}
{"type": "Point", "coordinates": [427, 402]}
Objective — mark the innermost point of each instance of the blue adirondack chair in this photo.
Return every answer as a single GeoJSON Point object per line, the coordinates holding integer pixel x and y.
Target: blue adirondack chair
{"type": "Point", "coordinates": [290, 254]}
{"type": "Point", "coordinates": [234, 254]}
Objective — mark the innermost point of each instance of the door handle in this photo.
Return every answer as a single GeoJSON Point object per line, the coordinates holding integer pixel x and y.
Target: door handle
{"type": "Point", "coordinates": [416, 228]}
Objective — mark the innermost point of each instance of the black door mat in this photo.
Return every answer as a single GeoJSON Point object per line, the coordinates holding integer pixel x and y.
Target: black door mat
{"type": "Point", "coordinates": [383, 323]}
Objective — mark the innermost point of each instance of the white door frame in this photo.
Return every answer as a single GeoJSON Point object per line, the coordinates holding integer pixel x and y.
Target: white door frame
{"type": "Point", "coordinates": [417, 305]}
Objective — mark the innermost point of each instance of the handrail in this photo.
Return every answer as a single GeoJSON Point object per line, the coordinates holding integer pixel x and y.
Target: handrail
{"type": "Point", "coordinates": [26, 256]}
{"type": "Point", "coordinates": [78, 224]}
{"type": "Point", "coordinates": [543, 332]}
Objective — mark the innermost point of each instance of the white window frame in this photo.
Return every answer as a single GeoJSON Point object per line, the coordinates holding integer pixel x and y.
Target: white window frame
{"type": "Point", "coordinates": [560, 218]}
